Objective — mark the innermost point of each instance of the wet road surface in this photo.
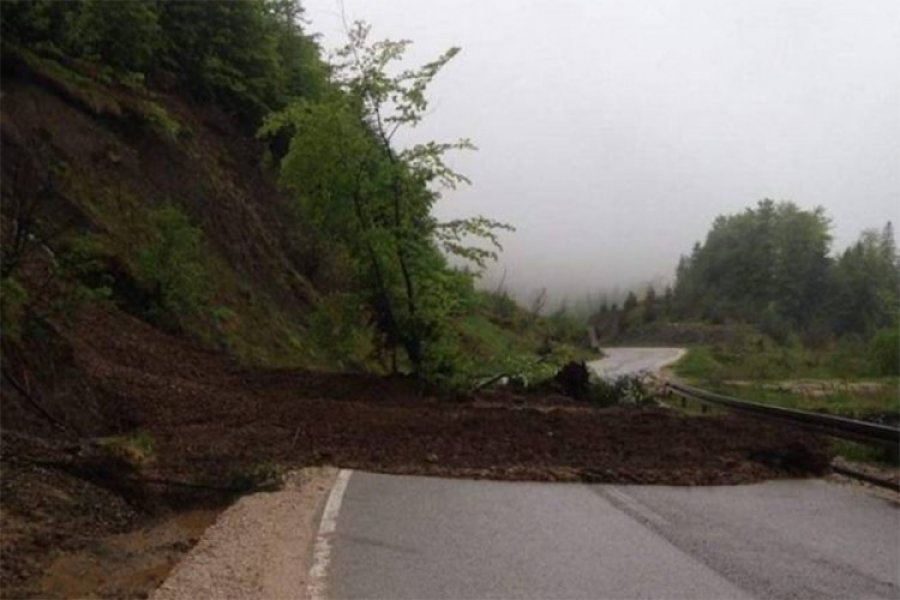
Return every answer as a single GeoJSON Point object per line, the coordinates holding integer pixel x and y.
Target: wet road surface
{"type": "Point", "coordinates": [632, 361]}
{"type": "Point", "coordinates": [418, 537]}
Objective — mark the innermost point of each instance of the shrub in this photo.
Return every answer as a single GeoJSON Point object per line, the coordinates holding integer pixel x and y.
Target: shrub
{"type": "Point", "coordinates": [340, 331]}
{"type": "Point", "coordinates": [173, 269]}
{"type": "Point", "coordinates": [627, 389]}
{"type": "Point", "coordinates": [884, 352]}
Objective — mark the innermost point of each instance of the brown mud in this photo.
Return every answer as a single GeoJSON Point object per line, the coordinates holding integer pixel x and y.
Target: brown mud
{"type": "Point", "coordinates": [217, 427]}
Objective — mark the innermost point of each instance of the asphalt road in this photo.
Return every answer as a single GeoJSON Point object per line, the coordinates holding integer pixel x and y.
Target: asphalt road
{"type": "Point", "coordinates": [417, 537]}
{"type": "Point", "coordinates": [630, 361]}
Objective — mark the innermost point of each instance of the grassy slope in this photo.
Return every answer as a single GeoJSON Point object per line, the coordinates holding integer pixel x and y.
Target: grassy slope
{"type": "Point", "coordinates": [790, 377]}
{"type": "Point", "coordinates": [821, 380]}
{"type": "Point", "coordinates": [502, 337]}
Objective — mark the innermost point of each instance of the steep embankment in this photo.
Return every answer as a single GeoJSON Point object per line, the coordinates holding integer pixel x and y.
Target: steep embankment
{"type": "Point", "coordinates": [129, 172]}
{"type": "Point", "coordinates": [121, 206]}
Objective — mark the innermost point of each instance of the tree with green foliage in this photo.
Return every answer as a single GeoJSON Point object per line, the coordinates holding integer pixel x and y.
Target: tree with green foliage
{"type": "Point", "coordinates": [631, 302]}
{"type": "Point", "coordinates": [884, 351]}
{"type": "Point", "coordinates": [125, 35]}
{"type": "Point", "coordinates": [771, 259]}
{"type": "Point", "coordinates": [651, 311]}
{"type": "Point", "coordinates": [247, 56]}
{"type": "Point", "coordinates": [667, 303]}
{"type": "Point", "coordinates": [353, 181]}
{"type": "Point", "coordinates": [173, 269]}
{"type": "Point", "coordinates": [867, 284]}
{"type": "Point", "coordinates": [771, 266]}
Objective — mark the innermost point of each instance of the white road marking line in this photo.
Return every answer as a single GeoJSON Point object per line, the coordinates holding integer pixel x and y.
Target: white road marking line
{"type": "Point", "coordinates": [322, 548]}
{"type": "Point", "coordinates": [637, 507]}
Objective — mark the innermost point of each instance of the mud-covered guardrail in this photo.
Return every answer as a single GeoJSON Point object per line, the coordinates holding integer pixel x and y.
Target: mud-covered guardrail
{"type": "Point", "coordinates": [842, 427]}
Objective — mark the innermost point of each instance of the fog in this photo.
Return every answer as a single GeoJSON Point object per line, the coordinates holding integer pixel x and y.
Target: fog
{"type": "Point", "coordinates": [611, 133]}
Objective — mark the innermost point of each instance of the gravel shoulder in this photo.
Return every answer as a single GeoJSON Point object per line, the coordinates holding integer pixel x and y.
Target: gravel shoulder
{"type": "Point", "coordinates": [258, 548]}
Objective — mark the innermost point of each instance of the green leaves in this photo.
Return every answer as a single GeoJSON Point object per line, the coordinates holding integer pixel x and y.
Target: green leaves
{"type": "Point", "coordinates": [352, 181]}
{"type": "Point", "coordinates": [247, 56]}
{"type": "Point", "coordinates": [452, 234]}
{"type": "Point", "coordinates": [770, 265]}
{"type": "Point", "coordinates": [173, 269]}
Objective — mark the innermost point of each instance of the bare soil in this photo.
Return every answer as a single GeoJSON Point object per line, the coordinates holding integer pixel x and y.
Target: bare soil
{"type": "Point", "coordinates": [126, 565]}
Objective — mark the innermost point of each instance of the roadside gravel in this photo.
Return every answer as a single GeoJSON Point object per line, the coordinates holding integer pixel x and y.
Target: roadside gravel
{"type": "Point", "coordinates": [258, 548]}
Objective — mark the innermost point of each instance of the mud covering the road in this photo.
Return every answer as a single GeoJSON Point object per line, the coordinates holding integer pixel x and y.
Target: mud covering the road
{"type": "Point", "coordinates": [210, 417]}
{"type": "Point", "coordinates": [216, 423]}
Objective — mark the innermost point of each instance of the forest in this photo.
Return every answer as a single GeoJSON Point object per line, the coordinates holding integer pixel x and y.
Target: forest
{"type": "Point", "coordinates": [773, 268]}
{"type": "Point", "coordinates": [772, 265]}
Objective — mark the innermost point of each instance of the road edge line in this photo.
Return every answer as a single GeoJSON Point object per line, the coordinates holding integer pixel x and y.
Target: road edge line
{"type": "Point", "coordinates": [318, 572]}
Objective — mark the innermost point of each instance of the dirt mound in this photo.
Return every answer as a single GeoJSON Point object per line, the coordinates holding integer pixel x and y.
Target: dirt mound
{"type": "Point", "coordinates": [202, 408]}
{"type": "Point", "coordinates": [215, 425]}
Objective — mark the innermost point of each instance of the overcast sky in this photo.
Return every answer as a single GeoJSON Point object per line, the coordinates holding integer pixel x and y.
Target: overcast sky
{"type": "Point", "coordinates": [612, 132]}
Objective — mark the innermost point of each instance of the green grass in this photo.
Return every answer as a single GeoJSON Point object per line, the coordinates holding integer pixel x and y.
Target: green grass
{"type": "Point", "coordinates": [792, 377]}
{"type": "Point", "coordinates": [856, 452]}
{"type": "Point", "coordinates": [137, 448]}
{"type": "Point", "coordinates": [843, 399]}
{"type": "Point", "coordinates": [760, 359]}
{"type": "Point", "coordinates": [500, 337]}
{"type": "Point", "coordinates": [698, 363]}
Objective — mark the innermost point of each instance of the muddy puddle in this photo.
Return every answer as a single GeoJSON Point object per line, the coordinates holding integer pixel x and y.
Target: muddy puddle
{"type": "Point", "coordinates": [129, 565]}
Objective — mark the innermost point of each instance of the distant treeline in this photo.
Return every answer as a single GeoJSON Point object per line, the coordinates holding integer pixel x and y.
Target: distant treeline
{"type": "Point", "coordinates": [772, 267]}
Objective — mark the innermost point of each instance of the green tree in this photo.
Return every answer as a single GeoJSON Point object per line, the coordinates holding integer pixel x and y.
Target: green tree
{"type": "Point", "coordinates": [631, 303]}
{"type": "Point", "coordinates": [667, 307]}
{"type": "Point", "coordinates": [350, 178]}
{"type": "Point", "coordinates": [768, 262]}
{"type": "Point", "coordinates": [246, 56]}
{"type": "Point", "coordinates": [801, 265]}
{"type": "Point", "coordinates": [224, 52]}
{"type": "Point", "coordinates": [173, 270]}
{"type": "Point", "coordinates": [121, 33]}
{"type": "Point", "coordinates": [866, 280]}
{"type": "Point", "coordinates": [651, 311]}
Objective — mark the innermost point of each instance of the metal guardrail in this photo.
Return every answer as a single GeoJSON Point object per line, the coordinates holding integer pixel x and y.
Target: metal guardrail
{"type": "Point", "coordinates": [890, 484]}
{"type": "Point", "coordinates": [860, 431]}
